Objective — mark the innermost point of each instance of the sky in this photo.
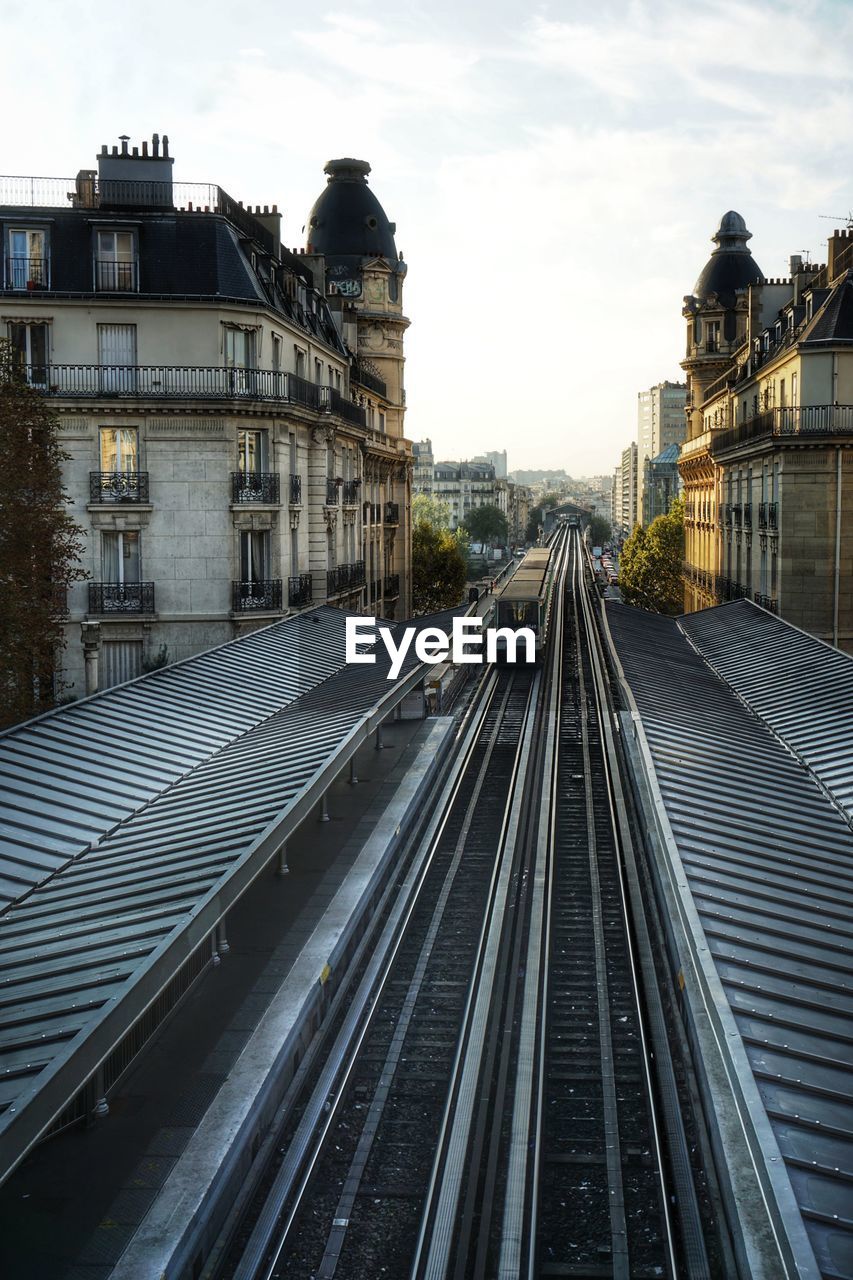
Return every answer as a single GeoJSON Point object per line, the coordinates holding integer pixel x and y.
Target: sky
{"type": "Point", "coordinates": [555, 172]}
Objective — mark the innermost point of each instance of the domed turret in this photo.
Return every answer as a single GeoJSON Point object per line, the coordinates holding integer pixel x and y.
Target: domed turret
{"type": "Point", "coordinates": [347, 221]}
{"type": "Point", "coordinates": [731, 267]}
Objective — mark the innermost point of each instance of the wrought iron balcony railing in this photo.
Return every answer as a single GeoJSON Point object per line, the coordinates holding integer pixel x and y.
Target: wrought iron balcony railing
{"type": "Point", "coordinates": [773, 515]}
{"type": "Point", "coordinates": [737, 513]}
{"type": "Point", "coordinates": [762, 515]}
{"type": "Point", "coordinates": [187, 382]}
{"type": "Point", "coordinates": [116, 277]}
{"type": "Point", "coordinates": [118, 486]}
{"type": "Point", "coordinates": [299, 590]}
{"type": "Point", "coordinates": [392, 585]}
{"type": "Point", "coordinates": [344, 577]}
{"type": "Point", "coordinates": [369, 380]}
{"type": "Point", "coordinates": [727, 589]}
{"type": "Point", "coordinates": [766, 602]}
{"type": "Point", "coordinates": [295, 490]}
{"type": "Point", "coordinates": [789, 420]}
{"type": "Point", "coordinates": [121, 597]}
{"type": "Point", "coordinates": [350, 494]}
{"type": "Point", "coordinates": [331, 493]}
{"type": "Point", "coordinates": [392, 513]}
{"type": "Point", "coordinates": [27, 273]}
{"type": "Point", "coordinates": [747, 515]}
{"type": "Point", "coordinates": [255, 486]}
{"type": "Point", "coordinates": [256, 596]}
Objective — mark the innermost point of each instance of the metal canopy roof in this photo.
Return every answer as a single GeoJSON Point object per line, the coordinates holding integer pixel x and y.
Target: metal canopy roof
{"type": "Point", "coordinates": [800, 686]}
{"type": "Point", "coordinates": [85, 949]}
{"type": "Point", "coordinates": [769, 862]}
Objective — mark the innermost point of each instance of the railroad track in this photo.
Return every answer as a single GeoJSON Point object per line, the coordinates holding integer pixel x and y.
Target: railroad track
{"type": "Point", "coordinates": [488, 1106]}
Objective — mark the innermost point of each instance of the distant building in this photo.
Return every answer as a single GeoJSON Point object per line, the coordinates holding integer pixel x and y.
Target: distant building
{"type": "Point", "coordinates": [660, 423]}
{"type": "Point", "coordinates": [661, 483]}
{"type": "Point", "coordinates": [768, 463]}
{"type": "Point", "coordinates": [497, 460]}
{"type": "Point", "coordinates": [616, 498]}
{"type": "Point", "coordinates": [424, 462]}
{"type": "Point", "coordinates": [629, 487]}
{"type": "Point", "coordinates": [464, 486]}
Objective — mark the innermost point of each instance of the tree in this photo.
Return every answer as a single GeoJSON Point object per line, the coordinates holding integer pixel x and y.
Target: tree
{"type": "Point", "coordinates": [599, 531]}
{"type": "Point", "coordinates": [487, 524]}
{"type": "Point", "coordinates": [438, 569]}
{"type": "Point", "coordinates": [430, 510]}
{"type": "Point", "coordinates": [650, 563]}
{"type": "Point", "coordinates": [40, 546]}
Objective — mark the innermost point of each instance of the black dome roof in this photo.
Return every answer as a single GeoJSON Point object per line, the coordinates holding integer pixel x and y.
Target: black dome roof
{"type": "Point", "coordinates": [347, 221]}
{"type": "Point", "coordinates": [731, 267]}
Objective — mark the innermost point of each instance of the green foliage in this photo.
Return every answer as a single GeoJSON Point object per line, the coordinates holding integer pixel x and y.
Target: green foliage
{"type": "Point", "coordinates": [40, 546]}
{"type": "Point", "coordinates": [650, 564]}
{"type": "Point", "coordinates": [439, 569]}
{"type": "Point", "coordinates": [430, 510]}
{"type": "Point", "coordinates": [599, 531]}
{"type": "Point", "coordinates": [487, 524]}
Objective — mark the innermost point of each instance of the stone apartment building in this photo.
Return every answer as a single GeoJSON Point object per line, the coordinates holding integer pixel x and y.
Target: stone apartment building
{"type": "Point", "coordinates": [233, 411]}
{"type": "Point", "coordinates": [463, 486]}
{"type": "Point", "coordinates": [768, 463]}
{"type": "Point", "coordinates": [628, 476]}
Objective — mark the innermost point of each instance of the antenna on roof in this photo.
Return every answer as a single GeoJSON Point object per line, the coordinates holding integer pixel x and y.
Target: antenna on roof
{"type": "Point", "coordinates": [846, 218]}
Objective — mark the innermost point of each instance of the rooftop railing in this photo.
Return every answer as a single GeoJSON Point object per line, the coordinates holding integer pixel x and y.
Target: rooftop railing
{"type": "Point", "coordinates": [804, 420]}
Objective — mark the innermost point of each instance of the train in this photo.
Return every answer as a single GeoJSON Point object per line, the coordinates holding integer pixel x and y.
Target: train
{"type": "Point", "coordinates": [523, 601]}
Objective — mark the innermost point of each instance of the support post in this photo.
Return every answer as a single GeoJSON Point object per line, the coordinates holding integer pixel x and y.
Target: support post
{"type": "Point", "coordinates": [324, 808]}
{"type": "Point", "coordinates": [281, 867]}
{"type": "Point", "coordinates": [214, 954]}
{"type": "Point", "coordinates": [224, 946]}
{"type": "Point", "coordinates": [101, 1107]}
{"type": "Point", "coordinates": [353, 776]}
{"type": "Point", "coordinates": [379, 743]}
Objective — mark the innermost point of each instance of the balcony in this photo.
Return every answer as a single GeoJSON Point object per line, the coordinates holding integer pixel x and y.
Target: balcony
{"type": "Point", "coordinates": [762, 515]}
{"type": "Point", "coordinates": [371, 381]}
{"type": "Point", "coordinates": [121, 597]}
{"type": "Point", "coordinates": [737, 514]}
{"type": "Point", "coordinates": [773, 515]}
{"type": "Point", "coordinates": [255, 486]}
{"type": "Point", "coordinates": [118, 486]}
{"type": "Point", "coordinates": [766, 602]}
{"type": "Point", "coordinates": [295, 491]}
{"type": "Point", "coordinates": [344, 577]}
{"type": "Point", "coordinates": [350, 494]}
{"type": "Point", "coordinates": [805, 420]}
{"type": "Point", "coordinates": [392, 586]}
{"type": "Point", "coordinates": [257, 597]}
{"type": "Point", "coordinates": [727, 589]}
{"type": "Point", "coordinates": [188, 382]}
{"type": "Point", "coordinates": [299, 591]}
{"type": "Point", "coordinates": [331, 493]}
{"type": "Point", "coordinates": [27, 274]}
{"type": "Point", "coordinates": [747, 515]}
{"type": "Point", "coordinates": [116, 277]}
{"type": "Point", "coordinates": [392, 513]}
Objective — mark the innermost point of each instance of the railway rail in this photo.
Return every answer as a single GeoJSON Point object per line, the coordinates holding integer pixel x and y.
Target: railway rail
{"type": "Point", "coordinates": [488, 1104]}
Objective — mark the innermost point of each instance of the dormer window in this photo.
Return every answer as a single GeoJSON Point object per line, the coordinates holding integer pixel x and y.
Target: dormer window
{"type": "Point", "coordinates": [115, 262]}
{"type": "Point", "coordinates": [27, 265]}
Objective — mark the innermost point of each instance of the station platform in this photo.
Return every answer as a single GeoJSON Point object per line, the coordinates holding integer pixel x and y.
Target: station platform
{"type": "Point", "coordinates": [71, 1209]}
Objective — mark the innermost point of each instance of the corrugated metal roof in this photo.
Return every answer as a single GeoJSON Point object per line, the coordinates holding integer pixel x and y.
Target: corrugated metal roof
{"type": "Point", "coordinates": [802, 687]}
{"type": "Point", "coordinates": [70, 776]}
{"type": "Point", "coordinates": [87, 948]}
{"type": "Point", "coordinates": [769, 862]}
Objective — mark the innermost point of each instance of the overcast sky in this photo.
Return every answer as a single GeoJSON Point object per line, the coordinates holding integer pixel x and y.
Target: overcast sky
{"type": "Point", "coordinates": [555, 177]}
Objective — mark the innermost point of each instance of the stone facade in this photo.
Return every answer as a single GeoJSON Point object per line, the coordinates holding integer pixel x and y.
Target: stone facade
{"type": "Point", "coordinates": [234, 453]}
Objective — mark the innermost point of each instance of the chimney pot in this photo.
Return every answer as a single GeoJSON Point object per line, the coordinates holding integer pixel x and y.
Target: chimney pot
{"type": "Point", "coordinates": [115, 151]}
{"type": "Point", "coordinates": [124, 139]}
{"type": "Point", "coordinates": [145, 148]}
{"type": "Point", "coordinates": [104, 149]}
{"type": "Point", "coordinates": [136, 151]}
{"type": "Point", "coordinates": [165, 146]}
{"type": "Point", "coordinates": [155, 144]}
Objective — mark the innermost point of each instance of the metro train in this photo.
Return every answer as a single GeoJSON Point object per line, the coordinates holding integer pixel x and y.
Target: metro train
{"type": "Point", "coordinates": [523, 601]}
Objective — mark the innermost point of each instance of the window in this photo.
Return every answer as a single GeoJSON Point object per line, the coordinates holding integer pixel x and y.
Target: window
{"type": "Point", "coordinates": [299, 361]}
{"type": "Point", "coordinates": [782, 399]}
{"type": "Point", "coordinates": [294, 463]}
{"type": "Point", "coordinates": [254, 556]}
{"type": "Point", "coordinates": [115, 262]}
{"type": "Point", "coordinates": [276, 353]}
{"type": "Point", "coordinates": [117, 357]}
{"type": "Point", "coordinates": [29, 351]}
{"type": "Point", "coordinates": [318, 372]}
{"type": "Point", "coordinates": [793, 390]}
{"type": "Point", "coordinates": [120, 557]}
{"type": "Point", "coordinates": [27, 266]}
{"type": "Point", "coordinates": [252, 452]}
{"type": "Point", "coordinates": [239, 347]}
{"type": "Point", "coordinates": [712, 341]}
{"type": "Point", "coordinates": [294, 552]}
{"type": "Point", "coordinates": [120, 449]}
{"type": "Point", "coordinates": [382, 422]}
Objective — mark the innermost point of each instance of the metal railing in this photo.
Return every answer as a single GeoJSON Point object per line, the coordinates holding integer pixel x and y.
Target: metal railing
{"type": "Point", "coordinates": [747, 515]}
{"type": "Point", "coordinates": [299, 590]}
{"type": "Point", "coordinates": [392, 513]}
{"type": "Point", "coordinates": [181, 382]}
{"type": "Point", "coordinates": [118, 486]}
{"type": "Point", "coordinates": [27, 273]}
{"type": "Point", "coordinates": [369, 380]}
{"type": "Point", "coordinates": [697, 577]}
{"type": "Point", "coordinates": [345, 577]}
{"type": "Point", "coordinates": [766, 602]}
{"type": "Point", "coordinates": [295, 490]}
{"type": "Point", "coordinates": [737, 514]}
{"type": "Point", "coordinates": [255, 486]}
{"type": "Point", "coordinates": [249, 597]}
{"type": "Point", "coordinates": [116, 277]}
{"type": "Point", "coordinates": [804, 420]}
{"type": "Point", "coordinates": [331, 493]}
{"type": "Point", "coordinates": [350, 492]}
{"type": "Point", "coordinates": [773, 515]}
{"type": "Point", "coordinates": [392, 585]}
{"type": "Point", "coordinates": [121, 597]}
{"type": "Point", "coordinates": [728, 589]}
